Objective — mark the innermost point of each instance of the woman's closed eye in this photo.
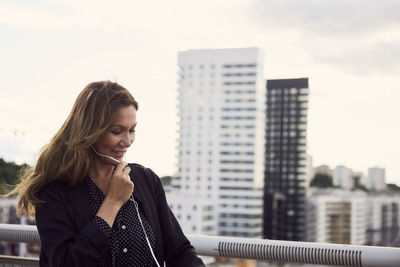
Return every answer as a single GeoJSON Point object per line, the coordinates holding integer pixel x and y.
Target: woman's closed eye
{"type": "Point", "coordinates": [115, 132]}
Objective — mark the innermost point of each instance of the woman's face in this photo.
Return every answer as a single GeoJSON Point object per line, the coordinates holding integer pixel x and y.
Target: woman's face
{"type": "Point", "coordinates": [119, 136]}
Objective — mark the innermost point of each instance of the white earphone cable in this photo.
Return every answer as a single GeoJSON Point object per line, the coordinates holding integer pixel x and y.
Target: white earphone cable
{"type": "Point", "coordinates": [144, 231]}
{"type": "Point", "coordinates": [137, 210]}
{"type": "Point", "coordinates": [109, 157]}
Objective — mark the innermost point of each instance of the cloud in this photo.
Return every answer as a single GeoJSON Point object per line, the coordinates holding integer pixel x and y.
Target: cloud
{"type": "Point", "coordinates": [28, 17]}
{"type": "Point", "coordinates": [339, 18]}
{"type": "Point", "coordinates": [362, 59]}
{"type": "Point", "coordinates": [176, 17]}
{"type": "Point", "coordinates": [12, 149]}
{"type": "Point", "coordinates": [358, 36]}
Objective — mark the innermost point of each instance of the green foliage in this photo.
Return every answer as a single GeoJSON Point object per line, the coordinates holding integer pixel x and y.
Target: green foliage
{"type": "Point", "coordinates": [394, 187]}
{"type": "Point", "coordinates": [358, 185]}
{"type": "Point", "coordinates": [9, 174]}
{"type": "Point", "coordinates": [166, 180]}
{"type": "Point", "coordinates": [361, 187]}
{"type": "Point", "coordinates": [321, 180]}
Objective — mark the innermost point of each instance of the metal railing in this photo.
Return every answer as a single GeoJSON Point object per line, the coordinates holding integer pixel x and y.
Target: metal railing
{"type": "Point", "coordinates": [18, 233]}
{"type": "Point", "coordinates": [247, 248]}
{"type": "Point", "coordinates": [6, 261]}
{"type": "Point", "coordinates": [296, 252]}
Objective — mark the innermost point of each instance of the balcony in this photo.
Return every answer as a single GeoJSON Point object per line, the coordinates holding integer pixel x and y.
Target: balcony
{"type": "Point", "coordinates": [244, 248]}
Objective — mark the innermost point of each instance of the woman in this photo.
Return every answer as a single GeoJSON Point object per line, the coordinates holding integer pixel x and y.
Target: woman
{"type": "Point", "coordinates": [93, 209]}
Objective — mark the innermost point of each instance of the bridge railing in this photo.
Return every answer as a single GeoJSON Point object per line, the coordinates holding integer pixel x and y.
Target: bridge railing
{"type": "Point", "coordinates": [247, 248]}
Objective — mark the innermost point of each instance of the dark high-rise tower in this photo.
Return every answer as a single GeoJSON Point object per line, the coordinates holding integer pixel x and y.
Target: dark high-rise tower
{"type": "Point", "coordinates": [285, 159]}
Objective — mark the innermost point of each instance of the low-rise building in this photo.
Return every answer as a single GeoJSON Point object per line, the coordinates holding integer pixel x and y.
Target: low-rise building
{"type": "Point", "coordinates": [336, 216]}
{"type": "Point", "coordinates": [383, 219]}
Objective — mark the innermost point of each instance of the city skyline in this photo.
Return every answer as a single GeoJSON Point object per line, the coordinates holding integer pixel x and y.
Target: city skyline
{"type": "Point", "coordinates": [348, 49]}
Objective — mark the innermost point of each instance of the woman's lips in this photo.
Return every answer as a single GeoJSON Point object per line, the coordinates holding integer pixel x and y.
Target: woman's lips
{"type": "Point", "coordinates": [119, 154]}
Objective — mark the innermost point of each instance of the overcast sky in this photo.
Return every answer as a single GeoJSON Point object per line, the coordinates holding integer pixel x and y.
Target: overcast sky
{"type": "Point", "coordinates": [349, 50]}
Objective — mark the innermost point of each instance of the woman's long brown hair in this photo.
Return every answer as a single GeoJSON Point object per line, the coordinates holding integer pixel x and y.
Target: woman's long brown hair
{"type": "Point", "coordinates": [67, 156]}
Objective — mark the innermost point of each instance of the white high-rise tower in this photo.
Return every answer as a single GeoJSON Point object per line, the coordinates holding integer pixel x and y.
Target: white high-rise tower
{"type": "Point", "coordinates": [221, 107]}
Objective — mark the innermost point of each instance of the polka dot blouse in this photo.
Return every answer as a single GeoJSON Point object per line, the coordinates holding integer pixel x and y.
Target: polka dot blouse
{"type": "Point", "coordinates": [128, 243]}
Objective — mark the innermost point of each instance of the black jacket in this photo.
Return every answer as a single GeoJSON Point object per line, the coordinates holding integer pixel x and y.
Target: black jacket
{"type": "Point", "coordinates": [70, 238]}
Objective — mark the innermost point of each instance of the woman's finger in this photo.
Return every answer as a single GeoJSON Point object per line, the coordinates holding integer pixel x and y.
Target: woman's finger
{"type": "Point", "coordinates": [120, 167]}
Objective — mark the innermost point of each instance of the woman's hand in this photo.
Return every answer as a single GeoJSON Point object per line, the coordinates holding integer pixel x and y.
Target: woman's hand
{"type": "Point", "coordinates": [121, 186]}
{"type": "Point", "coordinates": [119, 192]}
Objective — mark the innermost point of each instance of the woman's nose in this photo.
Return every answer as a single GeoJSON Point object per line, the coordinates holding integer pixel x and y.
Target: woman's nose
{"type": "Point", "coordinates": [126, 139]}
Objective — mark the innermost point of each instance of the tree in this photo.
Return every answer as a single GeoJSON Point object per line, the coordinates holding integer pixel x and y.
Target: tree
{"type": "Point", "coordinates": [321, 180]}
{"type": "Point", "coordinates": [394, 187]}
{"type": "Point", "coordinates": [358, 185]}
{"type": "Point", "coordinates": [9, 174]}
{"type": "Point", "coordinates": [166, 180]}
